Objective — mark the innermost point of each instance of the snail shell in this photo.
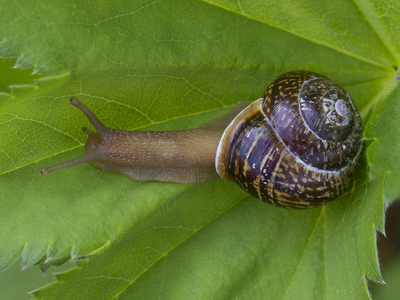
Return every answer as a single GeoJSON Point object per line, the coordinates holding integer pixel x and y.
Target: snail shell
{"type": "Point", "coordinates": [298, 147]}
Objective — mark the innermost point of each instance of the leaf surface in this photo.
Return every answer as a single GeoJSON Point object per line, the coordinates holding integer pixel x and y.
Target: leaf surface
{"type": "Point", "coordinates": [163, 65]}
{"type": "Point", "coordinates": [244, 250]}
{"type": "Point", "coordinates": [383, 154]}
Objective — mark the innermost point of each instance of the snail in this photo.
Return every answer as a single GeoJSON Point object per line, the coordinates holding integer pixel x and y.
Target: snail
{"type": "Point", "coordinates": [298, 147]}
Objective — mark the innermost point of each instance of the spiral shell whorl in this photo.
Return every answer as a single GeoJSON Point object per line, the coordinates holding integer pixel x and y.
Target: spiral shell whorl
{"type": "Point", "coordinates": [274, 151]}
{"type": "Point", "coordinates": [306, 110]}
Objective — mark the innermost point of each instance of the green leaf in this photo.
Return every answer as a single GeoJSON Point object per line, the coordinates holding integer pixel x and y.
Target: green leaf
{"type": "Point", "coordinates": [383, 154]}
{"type": "Point", "coordinates": [163, 65]}
{"type": "Point", "coordinates": [236, 251]}
{"type": "Point", "coordinates": [11, 76]}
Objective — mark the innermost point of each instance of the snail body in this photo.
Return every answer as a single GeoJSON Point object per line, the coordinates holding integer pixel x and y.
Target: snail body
{"type": "Point", "coordinates": [299, 146]}
{"type": "Point", "coordinates": [183, 156]}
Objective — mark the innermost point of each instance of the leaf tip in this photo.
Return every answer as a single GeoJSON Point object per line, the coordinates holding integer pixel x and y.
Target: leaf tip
{"type": "Point", "coordinates": [32, 292]}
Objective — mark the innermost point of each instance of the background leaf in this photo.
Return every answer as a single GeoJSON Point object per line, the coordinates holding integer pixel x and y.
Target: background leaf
{"type": "Point", "coordinates": [163, 65]}
{"type": "Point", "coordinates": [392, 278]}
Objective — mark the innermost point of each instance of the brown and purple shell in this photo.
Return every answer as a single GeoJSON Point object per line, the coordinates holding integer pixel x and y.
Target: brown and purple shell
{"type": "Point", "coordinates": [298, 147]}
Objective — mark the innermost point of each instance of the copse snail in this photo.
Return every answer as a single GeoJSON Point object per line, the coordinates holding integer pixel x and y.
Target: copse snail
{"type": "Point", "coordinates": [298, 147]}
